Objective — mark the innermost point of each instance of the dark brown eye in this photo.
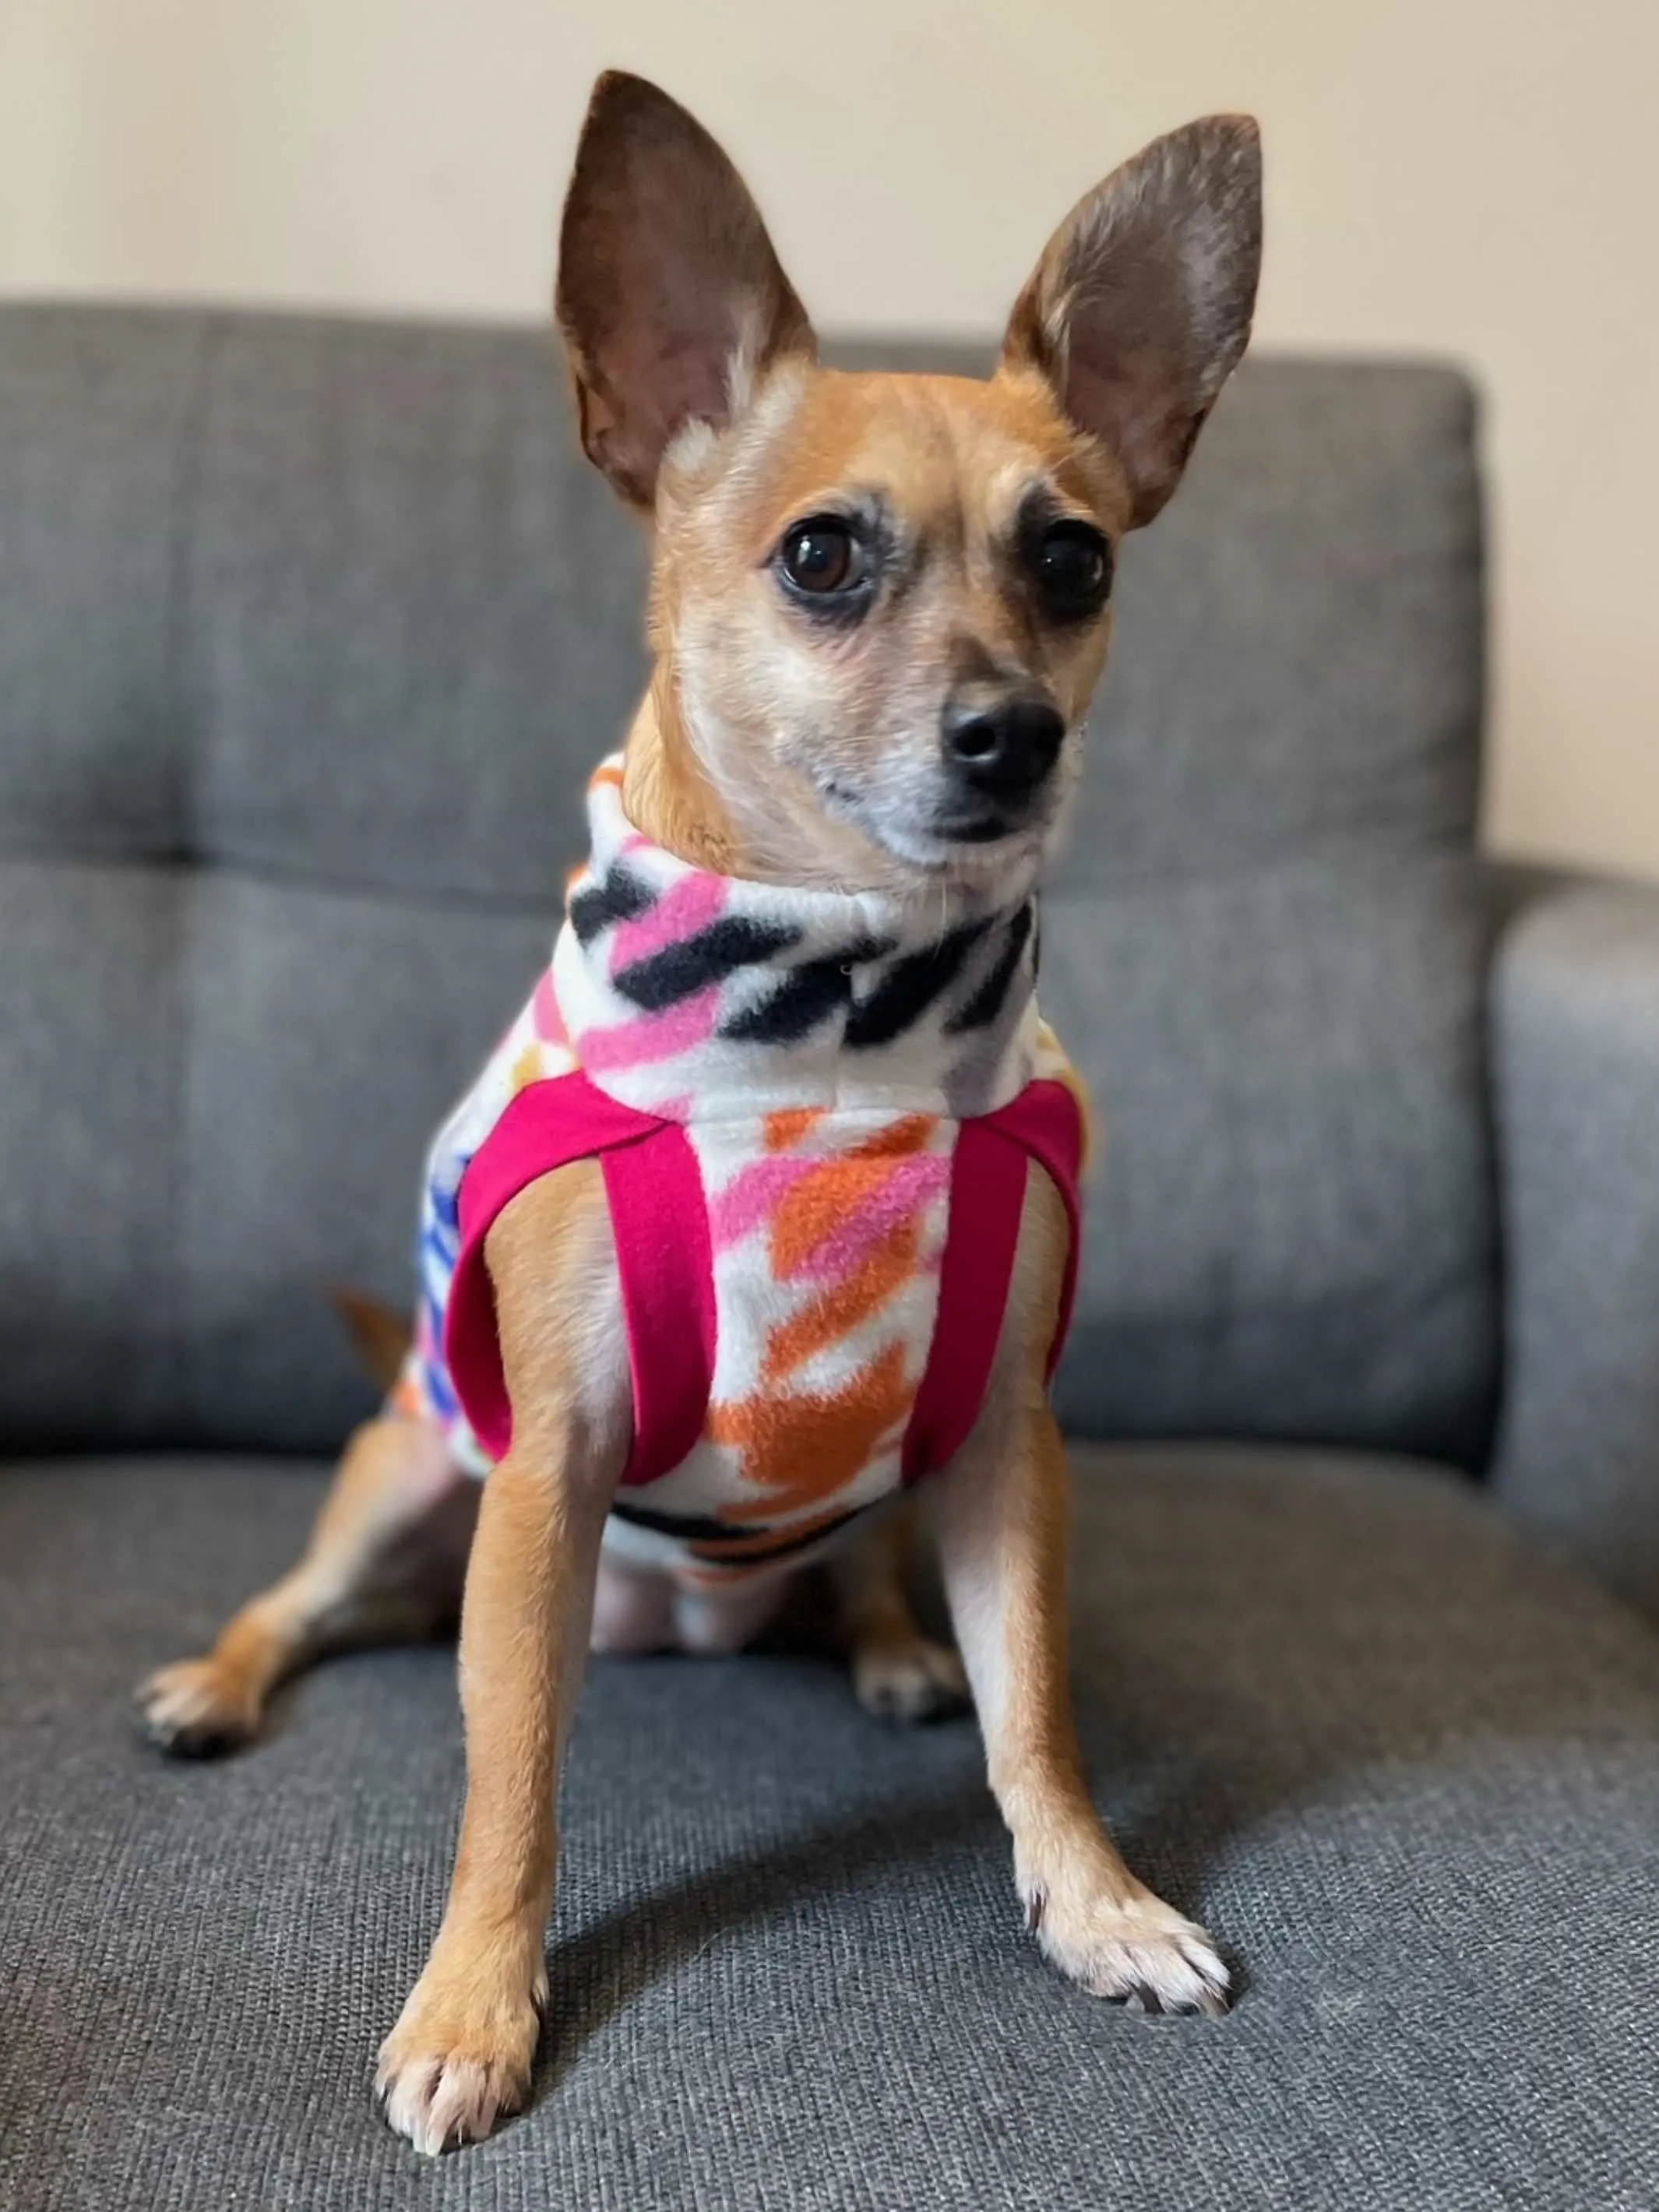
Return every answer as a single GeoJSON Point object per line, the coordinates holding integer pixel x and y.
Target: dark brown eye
{"type": "Point", "coordinates": [821, 557]}
{"type": "Point", "coordinates": [1074, 569]}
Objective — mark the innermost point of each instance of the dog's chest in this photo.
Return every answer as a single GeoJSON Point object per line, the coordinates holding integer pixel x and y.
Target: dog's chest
{"type": "Point", "coordinates": [826, 1234]}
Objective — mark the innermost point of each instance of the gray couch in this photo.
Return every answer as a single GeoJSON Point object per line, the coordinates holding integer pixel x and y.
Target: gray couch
{"type": "Point", "coordinates": [306, 630]}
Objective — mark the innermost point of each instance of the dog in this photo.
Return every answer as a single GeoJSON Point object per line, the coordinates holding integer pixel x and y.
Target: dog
{"type": "Point", "coordinates": [767, 1203]}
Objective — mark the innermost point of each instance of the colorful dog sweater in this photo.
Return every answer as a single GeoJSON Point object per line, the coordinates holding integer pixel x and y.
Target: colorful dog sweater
{"type": "Point", "coordinates": [814, 1113]}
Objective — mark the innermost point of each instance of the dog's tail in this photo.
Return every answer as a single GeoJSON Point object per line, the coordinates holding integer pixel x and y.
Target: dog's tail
{"type": "Point", "coordinates": [380, 1337]}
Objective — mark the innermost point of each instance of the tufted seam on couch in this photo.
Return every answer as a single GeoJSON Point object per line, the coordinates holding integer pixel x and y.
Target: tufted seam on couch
{"type": "Point", "coordinates": [186, 757]}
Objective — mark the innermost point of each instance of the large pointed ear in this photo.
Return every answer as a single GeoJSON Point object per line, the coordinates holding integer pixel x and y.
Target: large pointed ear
{"type": "Point", "coordinates": [1140, 307]}
{"type": "Point", "coordinates": [669, 296]}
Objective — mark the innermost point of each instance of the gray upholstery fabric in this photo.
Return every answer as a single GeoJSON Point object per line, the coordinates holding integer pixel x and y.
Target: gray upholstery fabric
{"type": "Point", "coordinates": [306, 630]}
{"type": "Point", "coordinates": [336, 600]}
{"type": "Point", "coordinates": [1409, 1771]}
{"type": "Point", "coordinates": [1575, 1056]}
{"type": "Point", "coordinates": [90, 1068]}
{"type": "Point", "coordinates": [96, 412]}
{"type": "Point", "coordinates": [217, 1090]}
{"type": "Point", "coordinates": [1298, 662]}
{"type": "Point", "coordinates": [1287, 1231]}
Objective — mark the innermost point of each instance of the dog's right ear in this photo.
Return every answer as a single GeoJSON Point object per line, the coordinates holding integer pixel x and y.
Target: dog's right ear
{"type": "Point", "coordinates": [669, 296]}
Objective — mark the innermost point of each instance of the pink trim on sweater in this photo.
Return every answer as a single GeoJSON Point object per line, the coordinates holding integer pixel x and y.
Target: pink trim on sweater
{"type": "Point", "coordinates": [658, 1221]}
{"type": "Point", "coordinates": [987, 1196]}
{"type": "Point", "coordinates": [1046, 1121]}
{"type": "Point", "coordinates": [661, 1223]}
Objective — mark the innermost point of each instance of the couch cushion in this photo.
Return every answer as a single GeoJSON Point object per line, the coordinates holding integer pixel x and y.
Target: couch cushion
{"type": "Point", "coordinates": [1298, 663]}
{"type": "Point", "coordinates": [1405, 1768]}
{"type": "Point", "coordinates": [215, 1090]}
{"type": "Point", "coordinates": [1286, 1231]}
{"type": "Point", "coordinates": [97, 427]}
{"type": "Point", "coordinates": [308, 630]}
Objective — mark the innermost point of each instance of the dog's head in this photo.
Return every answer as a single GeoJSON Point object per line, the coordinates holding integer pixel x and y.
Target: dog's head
{"type": "Point", "coordinates": [881, 603]}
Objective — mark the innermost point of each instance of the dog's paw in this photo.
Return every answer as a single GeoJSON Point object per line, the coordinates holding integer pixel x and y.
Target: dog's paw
{"type": "Point", "coordinates": [913, 1681]}
{"type": "Point", "coordinates": [453, 2066]}
{"type": "Point", "coordinates": [195, 1710]}
{"type": "Point", "coordinates": [1140, 1953]}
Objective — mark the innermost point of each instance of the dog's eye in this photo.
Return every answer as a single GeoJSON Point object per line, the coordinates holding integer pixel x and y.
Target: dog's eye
{"type": "Point", "coordinates": [1073, 564]}
{"type": "Point", "coordinates": [822, 556]}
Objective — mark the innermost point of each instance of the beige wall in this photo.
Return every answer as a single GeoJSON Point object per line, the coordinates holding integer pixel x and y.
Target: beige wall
{"type": "Point", "coordinates": [1470, 178]}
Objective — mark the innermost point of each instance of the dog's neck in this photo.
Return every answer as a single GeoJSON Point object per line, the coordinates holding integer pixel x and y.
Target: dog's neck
{"type": "Point", "coordinates": [665, 793]}
{"type": "Point", "coordinates": [684, 987]}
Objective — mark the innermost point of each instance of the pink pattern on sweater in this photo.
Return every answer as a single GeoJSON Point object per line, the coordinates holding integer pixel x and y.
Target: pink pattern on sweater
{"type": "Point", "coordinates": [909, 1184]}
{"type": "Point", "coordinates": [681, 912]}
{"type": "Point", "coordinates": [750, 1197]}
{"type": "Point", "coordinates": [653, 1036]}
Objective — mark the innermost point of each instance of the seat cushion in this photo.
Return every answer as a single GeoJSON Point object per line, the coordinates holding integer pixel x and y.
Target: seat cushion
{"type": "Point", "coordinates": [1406, 1767]}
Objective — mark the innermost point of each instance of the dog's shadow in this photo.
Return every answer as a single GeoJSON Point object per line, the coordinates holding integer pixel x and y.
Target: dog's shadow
{"type": "Point", "coordinates": [597, 1974]}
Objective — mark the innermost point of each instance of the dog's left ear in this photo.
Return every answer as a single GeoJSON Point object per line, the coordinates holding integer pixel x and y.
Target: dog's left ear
{"type": "Point", "coordinates": [669, 297]}
{"type": "Point", "coordinates": [1140, 307]}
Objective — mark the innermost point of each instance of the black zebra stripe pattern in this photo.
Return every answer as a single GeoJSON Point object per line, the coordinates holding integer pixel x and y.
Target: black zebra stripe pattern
{"type": "Point", "coordinates": [812, 991]}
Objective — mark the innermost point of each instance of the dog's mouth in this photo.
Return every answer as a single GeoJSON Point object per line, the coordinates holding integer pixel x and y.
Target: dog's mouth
{"type": "Point", "coordinates": [984, 826]}
{"type": "Point", "coordinates": [974, 843]}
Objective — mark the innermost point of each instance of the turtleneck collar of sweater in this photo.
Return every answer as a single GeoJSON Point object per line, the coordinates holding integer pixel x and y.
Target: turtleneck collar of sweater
{"type": "Point", "coordinates": [695, 995]}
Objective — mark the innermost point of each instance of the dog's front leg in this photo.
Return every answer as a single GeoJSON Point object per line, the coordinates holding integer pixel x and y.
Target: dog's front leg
{"type": "Point", "coordinates": [460, 2054]}
{"type": "Point", "coordinates": [1001, 1512]}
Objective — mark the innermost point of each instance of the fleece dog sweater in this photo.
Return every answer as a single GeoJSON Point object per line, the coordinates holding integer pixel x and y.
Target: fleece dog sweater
{"type": "Point", "coordinates": [814, 1115]}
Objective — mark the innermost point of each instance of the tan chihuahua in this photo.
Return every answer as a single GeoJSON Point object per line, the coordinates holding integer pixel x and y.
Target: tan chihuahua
{"type": "Point", "coordinates": [879, 608]}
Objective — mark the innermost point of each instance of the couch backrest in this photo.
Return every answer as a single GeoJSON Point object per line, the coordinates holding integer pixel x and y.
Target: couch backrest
{"type": "Point", "coordinates": [308, 631]}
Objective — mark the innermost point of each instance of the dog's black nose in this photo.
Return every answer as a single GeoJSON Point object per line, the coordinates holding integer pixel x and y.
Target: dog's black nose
{"type": "Point", "coordinates": [1004, 747]}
